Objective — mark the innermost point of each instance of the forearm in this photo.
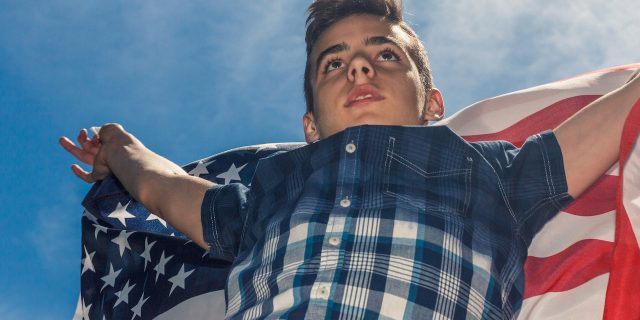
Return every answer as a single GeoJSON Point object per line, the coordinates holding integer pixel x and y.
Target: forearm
{"type": "Point", "coordinates": [163, 187]}
{"type": "Point", "coordinates": [590, 140]}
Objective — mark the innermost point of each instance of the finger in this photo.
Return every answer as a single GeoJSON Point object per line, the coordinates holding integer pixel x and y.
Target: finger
{"type": "Point", "coordinates": [68, 145]}
{"type": "Point", "coordinates": [95, 130]}
{"type": "Point", "coordinates": [82, 136]}
{"type": "Point", "coordinates": [78, 153]}
{"type": "Point", "coordinates": [93, 145]}
{"type": "Point", "coordinates": [82, 174]}
{"type": "Point", "coordinates": [86, 143]}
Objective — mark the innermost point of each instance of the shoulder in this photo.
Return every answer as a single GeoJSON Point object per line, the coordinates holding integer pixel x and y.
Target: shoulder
{"type": "Point", "coordinates": [539, 147]}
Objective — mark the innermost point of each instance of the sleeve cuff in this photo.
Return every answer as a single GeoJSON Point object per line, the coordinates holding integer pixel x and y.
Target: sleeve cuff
{"type": "Point", "coordinates": [554, 169]}
{"type": "Point", "coordinates": [222, 215]}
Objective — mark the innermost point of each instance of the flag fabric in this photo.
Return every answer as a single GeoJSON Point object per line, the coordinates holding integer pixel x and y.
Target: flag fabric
{"type": "Point", "coordinates": [136, 266]}
{"type": "Point", "coordinates": [582, 265]}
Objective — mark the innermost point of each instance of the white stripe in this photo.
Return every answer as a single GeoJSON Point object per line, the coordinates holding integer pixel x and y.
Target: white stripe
{"type": "Point", "coordinates": [498, 113]}
{"type": "Point", "coordinates": [566, 229]}
{"type": "Point", "coordinates": [614, 170]}
{"type": "Point", "coordinates": [206, 306]}
{"type": "Point", "coordinates": [583, 302]}
{"type": "Point", "coordinates": [631, 192]}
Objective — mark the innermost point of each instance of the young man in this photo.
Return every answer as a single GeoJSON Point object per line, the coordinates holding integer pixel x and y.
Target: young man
{"type": "Point", "coordinates": [379, 220]}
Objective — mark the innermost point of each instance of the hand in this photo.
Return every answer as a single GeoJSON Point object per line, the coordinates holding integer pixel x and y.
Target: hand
{"type": "Point", "coordinates": [90, 152]}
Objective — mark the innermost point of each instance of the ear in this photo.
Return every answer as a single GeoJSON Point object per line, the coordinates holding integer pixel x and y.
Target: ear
{"type": "Point", "coordinates": [311, 133]}
{"type": "Point", "coordinates": [434, 106]}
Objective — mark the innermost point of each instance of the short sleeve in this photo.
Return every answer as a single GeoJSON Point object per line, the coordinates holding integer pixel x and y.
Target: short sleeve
{"type": "Point", "coordinates": [533, 179]}
{"type": "Point", "coordinates": [224, 215]}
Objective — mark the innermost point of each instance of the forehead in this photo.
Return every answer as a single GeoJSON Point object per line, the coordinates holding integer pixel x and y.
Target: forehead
{"type": "Point", "coordinates": [354, 29]}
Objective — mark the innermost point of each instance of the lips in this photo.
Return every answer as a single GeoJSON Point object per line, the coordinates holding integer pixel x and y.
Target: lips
{"type": "Point", "coordinates": [363, 94]}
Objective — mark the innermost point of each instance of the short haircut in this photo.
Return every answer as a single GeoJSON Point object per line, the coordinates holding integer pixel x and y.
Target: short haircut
{"type": "Point", "coordinates": [324, 13]}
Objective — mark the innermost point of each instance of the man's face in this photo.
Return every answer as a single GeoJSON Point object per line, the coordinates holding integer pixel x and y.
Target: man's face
{"type": "Point", "coordinates": [362, 74]}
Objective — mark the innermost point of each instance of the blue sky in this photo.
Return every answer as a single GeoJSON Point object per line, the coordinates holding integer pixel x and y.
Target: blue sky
{"type": "Point", "coordinates": [191, 79]}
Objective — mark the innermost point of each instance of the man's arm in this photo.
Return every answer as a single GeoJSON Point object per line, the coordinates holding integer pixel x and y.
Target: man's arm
{"type": "Point", "coordinates": [590, 140]}
{"type": "Point", "coordinates": [163, 187]}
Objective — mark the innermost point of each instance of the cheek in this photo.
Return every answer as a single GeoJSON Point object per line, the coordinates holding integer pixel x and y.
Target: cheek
{"type": "Point", "coordinates": [410, 91]}
{"type": "Point", "coordinates": [326, 95]}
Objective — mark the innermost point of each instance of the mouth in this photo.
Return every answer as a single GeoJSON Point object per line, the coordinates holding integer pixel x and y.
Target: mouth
{"type": "Point", "coordinates": [363, 94]}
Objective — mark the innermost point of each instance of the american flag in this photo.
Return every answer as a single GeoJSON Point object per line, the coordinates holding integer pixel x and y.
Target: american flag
{"type": "Point", "coordinates": [580, 266]}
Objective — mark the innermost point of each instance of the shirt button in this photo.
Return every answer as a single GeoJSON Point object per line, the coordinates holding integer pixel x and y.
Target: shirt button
{"type": "Point", "coordinates": [323, 292]}
{"type": "Point", "coordinates": [351, 148]}
{"type": "Point", "coordinates": [345, 203]}
{"type": "Point", "coordinates": [334, 241]}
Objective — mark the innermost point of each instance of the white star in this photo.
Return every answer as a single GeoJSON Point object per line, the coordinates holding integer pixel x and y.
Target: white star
{"type": "Point", "coordinates": [137, 310]}
{"type": "Point", "coordinates": [232, 174]}
{"type": "Point", "coordinates": [122, 240]}
{"type": "Point", "coordinates": [178, 279]}
{"type": "Point", "coordinates": [154, 217]}
{"type": "Point", "coordinates": [99, 229]}
{"type": "Point", "coordinates": [159, 268]}
{"type": "Point", "coordinates": [200, 168]}
{"type": "Point", "coordinates": [89, 216]}
{"type": "Point", "coordinates": [85, 310]}
{"type": "Point", "coordinates": [146, 254]}
{"type": "Point", "coordinates": [121, 213]}
{"type": "Point", "coordinates": [123, 295]}
{"type": "Point", "coordinates": [87, 264]}
{"type": "Point", "coordinates": [110, 279]}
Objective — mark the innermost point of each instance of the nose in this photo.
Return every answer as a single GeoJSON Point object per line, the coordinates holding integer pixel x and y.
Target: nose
{"type": "Point", "coordinates": [360, 69]}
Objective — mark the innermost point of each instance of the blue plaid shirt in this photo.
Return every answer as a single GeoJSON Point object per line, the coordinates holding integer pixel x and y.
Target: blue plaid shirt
{"type": "Point", "coordinates": [386, 222]}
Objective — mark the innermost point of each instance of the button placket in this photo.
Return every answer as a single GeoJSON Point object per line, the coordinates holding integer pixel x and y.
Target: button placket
{"type": "Point", "coordinates": [331, 256]}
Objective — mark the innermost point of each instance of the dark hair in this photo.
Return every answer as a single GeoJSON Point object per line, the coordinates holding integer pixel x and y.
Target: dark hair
{"type": "Point", "coordinates": [324, 13]}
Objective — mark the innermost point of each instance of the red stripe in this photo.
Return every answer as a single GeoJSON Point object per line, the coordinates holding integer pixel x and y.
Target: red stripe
{"type": "Point", "coordinates": [575, 265]}
{"type": "Point", "coordinates": [622, 291]}
{"type": "Point", "coordinates": [598, 199]}
{"type": "Point", "coordinates": [545, 119]}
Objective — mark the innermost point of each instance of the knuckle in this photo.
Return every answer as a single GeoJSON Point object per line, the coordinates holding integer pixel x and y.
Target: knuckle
{"type": "Point", "coordinates": [111, 126]}
{"type": "Point", "coordinates": [110, 129]}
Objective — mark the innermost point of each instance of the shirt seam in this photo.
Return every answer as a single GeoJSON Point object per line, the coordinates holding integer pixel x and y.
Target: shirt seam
{"type": "Point", "coordinates": [503, 193]}
{"type": "Point", "coordinates": [214, 223]}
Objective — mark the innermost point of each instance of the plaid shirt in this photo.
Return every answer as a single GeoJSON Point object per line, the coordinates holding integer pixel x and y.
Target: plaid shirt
{"type": "Point", "coordinates": [386, 222]}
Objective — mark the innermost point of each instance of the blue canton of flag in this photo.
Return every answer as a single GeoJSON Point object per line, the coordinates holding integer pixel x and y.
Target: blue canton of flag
{"type": "Point", "coordinates": [136, 266]}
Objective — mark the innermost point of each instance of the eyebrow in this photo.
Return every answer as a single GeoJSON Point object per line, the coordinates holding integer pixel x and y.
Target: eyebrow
{"type": "Point", "coordinates": [340, 47]}
{"type": "Point", "coordinates": [378, 40]}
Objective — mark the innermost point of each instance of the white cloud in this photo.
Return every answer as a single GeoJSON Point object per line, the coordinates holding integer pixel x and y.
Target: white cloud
{"type": "Point", "coordinates": [10, 312]}
{"type": "Point", "coordinates": [13, 311]}
{"type": "Point", "coordinates": [480, 47]}
{"type": "Point", "coordinates": [54, 234]}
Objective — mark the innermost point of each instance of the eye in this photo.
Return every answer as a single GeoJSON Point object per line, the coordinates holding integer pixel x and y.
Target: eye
{"type": "Point", "coordinates": [333, 64]}
{"type": "Point", "coordinates": [388, 55]}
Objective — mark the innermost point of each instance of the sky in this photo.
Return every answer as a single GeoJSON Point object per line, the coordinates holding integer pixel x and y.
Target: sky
{"type": "Point", "coordinates": [194, 78]}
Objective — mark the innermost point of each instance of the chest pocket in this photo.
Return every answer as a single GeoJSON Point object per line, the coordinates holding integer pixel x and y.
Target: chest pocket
{"type": "Point", "coordinates": [436, 183]}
